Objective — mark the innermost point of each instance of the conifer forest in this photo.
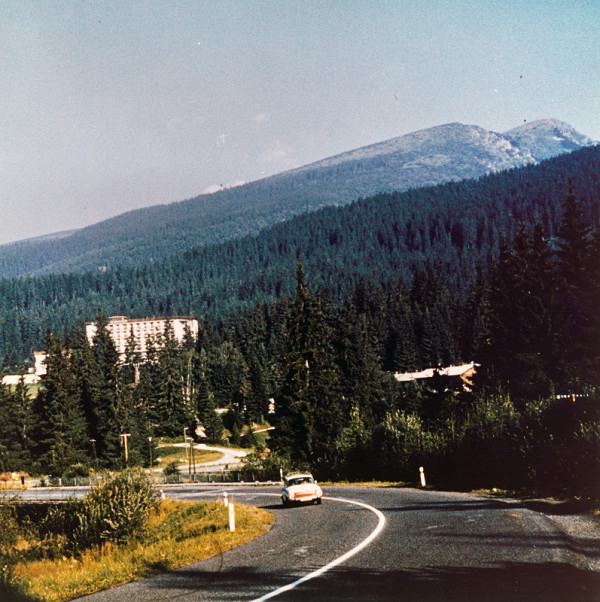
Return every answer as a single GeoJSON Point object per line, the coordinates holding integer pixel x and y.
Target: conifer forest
{"type": "Point", "coordinates": [304, 325]}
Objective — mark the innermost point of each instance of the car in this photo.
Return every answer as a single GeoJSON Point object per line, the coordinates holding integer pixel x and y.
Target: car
{"type": "Point", "coordinates": [300, 488]}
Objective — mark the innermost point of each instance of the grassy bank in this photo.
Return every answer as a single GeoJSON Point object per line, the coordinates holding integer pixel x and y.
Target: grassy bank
{"type": "Point", "coordinates": [172, 453]}
{"type": "Point", "coordinates": [178, 533]}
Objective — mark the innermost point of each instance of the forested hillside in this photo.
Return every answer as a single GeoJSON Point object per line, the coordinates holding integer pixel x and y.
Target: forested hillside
{"type": "Point", "coordinates": [451, 230]}
{"type": "Point", "coordinates": [444, 153]}
{"type": "Point", "coordinates": [530, 418]}
{"type": "Point", "coordinates": [406, 281]}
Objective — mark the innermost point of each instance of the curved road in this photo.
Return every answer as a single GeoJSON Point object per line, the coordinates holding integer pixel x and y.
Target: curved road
{"type": "Point", "coordinates": [388, 544]}
{"type": "Point", "coordinates": [232, 458]}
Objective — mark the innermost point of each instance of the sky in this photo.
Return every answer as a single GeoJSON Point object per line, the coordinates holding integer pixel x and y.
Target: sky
{"type": "Point", "coordinates": [110, 106]}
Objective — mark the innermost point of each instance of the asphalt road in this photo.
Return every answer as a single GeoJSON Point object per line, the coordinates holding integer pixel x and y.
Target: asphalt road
{"type": "Point", "coordinates": [391, 544]}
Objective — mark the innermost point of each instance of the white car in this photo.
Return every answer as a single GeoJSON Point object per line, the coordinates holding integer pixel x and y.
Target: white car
{"type": "Point", "coordinates": [298, 488]}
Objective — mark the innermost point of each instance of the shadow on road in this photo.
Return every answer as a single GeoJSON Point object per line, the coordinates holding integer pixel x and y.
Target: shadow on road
{"type": "Point", "coordinates": [543, 506]}
{"type": "Point", "coordinates": [510, 582]}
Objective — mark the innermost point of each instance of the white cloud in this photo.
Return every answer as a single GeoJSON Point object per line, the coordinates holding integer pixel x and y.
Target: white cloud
{"type": "Point", "coordinates": [278, 155]}
{"type": "Point", "coordinates": [218, 187]}
{"type": "Point", "coordinates": [261, 118]}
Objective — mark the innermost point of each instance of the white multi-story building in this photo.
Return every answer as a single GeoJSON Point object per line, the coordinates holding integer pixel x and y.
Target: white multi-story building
{"type": "Point", "coordinates": [145, 330]}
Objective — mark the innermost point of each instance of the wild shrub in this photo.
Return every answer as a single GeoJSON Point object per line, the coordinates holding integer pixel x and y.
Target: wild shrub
{"type": "Point", "coordinates": [8, 538]}
{"type": "Point", "coordinates": [171, 469]}
{"type": "Point", "coordinates": [114, 511]}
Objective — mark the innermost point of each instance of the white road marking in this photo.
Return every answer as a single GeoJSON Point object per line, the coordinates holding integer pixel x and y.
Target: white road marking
{"type": "Point", "coordinates": [361, 546]}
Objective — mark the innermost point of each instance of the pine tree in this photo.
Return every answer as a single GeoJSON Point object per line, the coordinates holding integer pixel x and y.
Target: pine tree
{"type": "Point", "coordinates": [593, 268]}
{"type": "Point", "coordinates": [576, 308]}
{"type": "Point", "coordinates": [520, 349]}
{"type": "Point", "coordinates": [361, 376]}
{"type": "Point", "coordinates": [172, 411]}
{"type": "Point", "coordinates": [132, 359]}
{"type": "Point", "coordinates": [401, 353]}
{"type": "Point", "coordinates": [85, 372]}
{"type": "Point", "coordinates": [205, 412]}
{"type": "Point", "coordinates": [108, 440]}
{"type": "Point", "coordinates": [60, 434]}
{"type": "Point", "coordinates": [309, 413]}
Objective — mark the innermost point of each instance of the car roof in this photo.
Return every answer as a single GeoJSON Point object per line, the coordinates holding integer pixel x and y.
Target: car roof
{"type": "Point", "coordinates": [296, 475]}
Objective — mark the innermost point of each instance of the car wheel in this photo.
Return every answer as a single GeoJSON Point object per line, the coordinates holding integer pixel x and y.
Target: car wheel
{"type": "Point", "coordinates": [286, 503]}
{"type": "Point", "coordinates": [319, 500]}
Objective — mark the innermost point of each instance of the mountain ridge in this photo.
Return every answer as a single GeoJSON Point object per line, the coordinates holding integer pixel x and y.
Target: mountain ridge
{"type": "Point", "coordinates": [448, 152]}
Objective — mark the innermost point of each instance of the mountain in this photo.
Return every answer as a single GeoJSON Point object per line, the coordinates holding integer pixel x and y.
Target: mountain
{"type": "Point", "coordinates": [450, 229]}
{"type": "Point", "coordinates": [444, 153]}
{"type": "Point", "coordinates": [547, 138]}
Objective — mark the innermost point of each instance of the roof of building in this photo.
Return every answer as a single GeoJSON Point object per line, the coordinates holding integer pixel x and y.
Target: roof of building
{"type": "Point", "coordinates": [113, 319]}
{"type": "Point", "coordinates": [405, 377]}
{"type": "Point", "coordinates": [13, 379]}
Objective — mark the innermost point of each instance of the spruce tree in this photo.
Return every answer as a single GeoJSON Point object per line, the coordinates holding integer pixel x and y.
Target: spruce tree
{"type": "Point", "coordinates": [205, 410]}
{"type": "Point", "coordinates": [309, 414]}
{"type": "Point", "coordinates": [85, 373]}
{"type": "Point", "coordinates": [576, 305]}
{"type": "Point", "coordinates": [60, 433]}
{"type": "Point", "coordinates": [520, 350]}
{"type": "Point", "coordinates": [361, 380]}
{"type": "Point", "coordinates": [22, 418]}
{"type": "Point", "coordinates": [106, 357]}
{"type": "Point", "coordinates": [172, 411]}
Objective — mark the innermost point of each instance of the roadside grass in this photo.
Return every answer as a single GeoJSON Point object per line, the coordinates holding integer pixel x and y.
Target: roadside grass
{"type": "Point", "coordinates": [367, 483]}
{"type": "Point", "coordinates": [172, 453]}
{"type": "Point", "coordinates": [178, 533]}
{"type": "Point", "coordinates": [564, 504]}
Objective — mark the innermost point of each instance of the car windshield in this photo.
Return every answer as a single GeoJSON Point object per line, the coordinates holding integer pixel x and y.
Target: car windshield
{"type": "Point", "coordinates": [300, 481]}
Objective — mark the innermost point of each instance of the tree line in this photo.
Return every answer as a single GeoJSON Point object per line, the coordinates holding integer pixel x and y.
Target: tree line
{"type": "Point", "coordinates": [531, 417]}
{"type": "Point", "coordinates": [452, 229]}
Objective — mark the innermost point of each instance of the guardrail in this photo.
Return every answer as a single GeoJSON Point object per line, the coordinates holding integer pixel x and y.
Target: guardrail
{"type": "Point", "coordinates": [158, 478]}
{"type": "Point", "coordinates": [224, 476]}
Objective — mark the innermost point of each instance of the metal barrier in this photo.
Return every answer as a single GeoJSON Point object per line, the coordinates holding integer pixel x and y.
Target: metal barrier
{"type": "Point", "coordinates": [224, 476]}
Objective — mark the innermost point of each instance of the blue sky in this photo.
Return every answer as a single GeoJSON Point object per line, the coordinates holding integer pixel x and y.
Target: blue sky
{"type": "Point", "coordinates": [111, 106]}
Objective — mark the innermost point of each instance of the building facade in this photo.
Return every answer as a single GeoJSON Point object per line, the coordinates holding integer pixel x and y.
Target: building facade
{"type": "Point", "coordinates": [145, 331]}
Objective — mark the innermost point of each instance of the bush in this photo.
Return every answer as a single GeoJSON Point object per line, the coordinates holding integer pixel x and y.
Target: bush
{"type": "Point", "coordinates": [172, 468]}
{"type": "Point", "coordinates": [8, 540]}
{"type": "Point", "coordinates": [77, 470]}
{"type": "Point", "coordinates": [115, 510]}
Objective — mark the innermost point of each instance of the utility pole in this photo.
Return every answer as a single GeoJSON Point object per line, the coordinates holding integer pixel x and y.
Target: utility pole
{"type": "Point", "coordinates": [193, 456]}
{"type": "Point", "coordinates": [93, 442]}
{"type": "Point", "coordinates": [124, 437]}
{"type": "Point", "coordinates": [185, 444]}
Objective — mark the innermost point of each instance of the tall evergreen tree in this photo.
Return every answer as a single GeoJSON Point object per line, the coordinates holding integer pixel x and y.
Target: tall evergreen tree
{"type": "Point", "coordinates": [15, 427]}
{"type": "Point", "coordinates": [85, 373]}
{"type": "Point", "coordinates": [576, 308]}
{"type": "Point", "coordinates": [109, 383]}
{"type": "Point", "coordinates": [172, 412]}
{"type": "Point", "coordinates": [361, 376]}
{"type": "Point", "coordinates": [60, 434]}
{"type": "Point", "coordinates": [23, 420]}
{"type": "Point", "coordinates": [205, 406]}
{"type": "Point", "coordinates": [520, 349]}
{"type": "Point", "coordinates": [309, 413]}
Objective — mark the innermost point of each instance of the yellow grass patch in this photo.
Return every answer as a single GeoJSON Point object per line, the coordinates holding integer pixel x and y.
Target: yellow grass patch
{"type": "Point", "coordinates": [172, 453]}
{"type": "Point", "coordinates": [179, 533]}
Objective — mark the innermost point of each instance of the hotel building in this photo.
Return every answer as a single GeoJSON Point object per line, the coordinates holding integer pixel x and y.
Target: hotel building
{"type": "Point", "coordinates": [144, 331]}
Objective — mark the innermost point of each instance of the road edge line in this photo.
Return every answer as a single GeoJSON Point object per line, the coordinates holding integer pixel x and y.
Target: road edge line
{"type": "Point", "coordinates": [341, 559]}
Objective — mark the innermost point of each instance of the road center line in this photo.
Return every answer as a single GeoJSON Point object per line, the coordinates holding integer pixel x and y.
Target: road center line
{"type": "Point", "coordinates": [361, 546]}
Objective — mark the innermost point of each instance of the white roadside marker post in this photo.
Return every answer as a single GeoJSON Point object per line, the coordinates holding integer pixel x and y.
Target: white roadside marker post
{"type": "Point", "coordinates": [422, 473]}
{"type": "Point", "coordinates": [225, 500]}
{"type": "Point", "coordinates": [231, 518]}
